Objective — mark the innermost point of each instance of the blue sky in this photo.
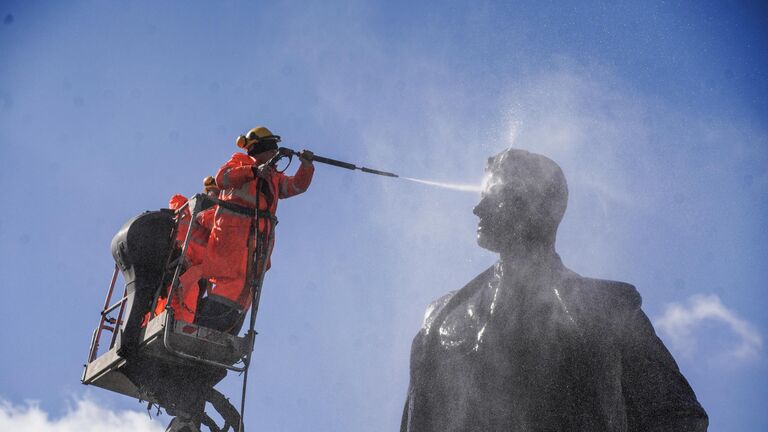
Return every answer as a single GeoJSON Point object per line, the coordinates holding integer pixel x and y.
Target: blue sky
{"type": "Point", "coordinates": [657, 112]}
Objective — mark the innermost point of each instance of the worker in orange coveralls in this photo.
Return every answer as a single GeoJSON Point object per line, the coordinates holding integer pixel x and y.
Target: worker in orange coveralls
{"type": "Point", "coordinates": [232, 241]}
{"type": "Point", "coordinates": [184, 302]}
{"type": "Point", "coordinates": [205, 224]}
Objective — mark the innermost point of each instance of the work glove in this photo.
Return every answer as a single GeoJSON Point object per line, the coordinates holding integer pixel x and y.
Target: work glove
{"type": "Point", "coordinates": [306, 156]}
{"type": "Point", "coordinates": [263, 171]}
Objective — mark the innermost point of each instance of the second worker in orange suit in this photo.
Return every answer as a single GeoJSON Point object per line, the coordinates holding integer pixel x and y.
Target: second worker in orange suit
{"type": "Point", "coordinates": [241, 180]}
{"type": "Point", "coordinates": [184, 302]}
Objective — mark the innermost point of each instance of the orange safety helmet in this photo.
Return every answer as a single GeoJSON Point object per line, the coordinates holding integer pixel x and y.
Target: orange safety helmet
{"type": "Point", "coordinates": [177, 201]}
{"type": "Point", "coordinates": [255, 135]}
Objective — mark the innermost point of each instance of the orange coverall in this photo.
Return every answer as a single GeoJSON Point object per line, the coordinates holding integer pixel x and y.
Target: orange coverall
{"type": "Point", "coordinates": [184, 301]}
{"type": "Point", "coordinates": [227, 259]}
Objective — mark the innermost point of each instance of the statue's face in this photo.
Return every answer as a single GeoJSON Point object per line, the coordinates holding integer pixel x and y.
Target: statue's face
{"type": "Point", "coordinates": [517, 204]}
{"type": "Point", "coordinates": [499, 212]}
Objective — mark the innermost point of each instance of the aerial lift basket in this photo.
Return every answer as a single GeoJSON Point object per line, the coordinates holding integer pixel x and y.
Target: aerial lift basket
{"type": "Point", "coordinates": [142, 362]}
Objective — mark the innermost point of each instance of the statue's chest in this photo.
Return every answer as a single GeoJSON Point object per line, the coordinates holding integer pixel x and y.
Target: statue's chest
{"type": "Point", "coordinates": [493, 343]}
{"type": "Point", "coordinates": [492, 361]}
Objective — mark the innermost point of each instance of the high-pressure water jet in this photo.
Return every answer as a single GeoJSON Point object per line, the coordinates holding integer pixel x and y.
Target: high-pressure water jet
{"type": "Point", "coordinates": [452, 186]}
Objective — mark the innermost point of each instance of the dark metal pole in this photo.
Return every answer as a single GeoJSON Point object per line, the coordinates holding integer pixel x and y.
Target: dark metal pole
{"type": "Point", "coordinates": [345, 165]}
{"type": "Point", "coordinates": [259, 257]}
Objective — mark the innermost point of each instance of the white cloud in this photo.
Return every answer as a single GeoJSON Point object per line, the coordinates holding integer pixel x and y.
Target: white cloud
{"type": "Point", "coordinates": [85, 416]}
{"type": "Point", "coordinates": [682, 323]}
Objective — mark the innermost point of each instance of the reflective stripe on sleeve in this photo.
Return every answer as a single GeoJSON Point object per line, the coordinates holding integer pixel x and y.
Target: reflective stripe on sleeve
{"type": "Point", "coordinates": [243, 193]}
{"type": "Point", "coordinates": [225, 182]}
{"type": "Point", "coordinates": [296, 189]}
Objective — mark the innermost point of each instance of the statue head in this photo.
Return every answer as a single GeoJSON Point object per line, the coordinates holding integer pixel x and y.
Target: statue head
{"type": "Point", "coordinates": [522, 203]}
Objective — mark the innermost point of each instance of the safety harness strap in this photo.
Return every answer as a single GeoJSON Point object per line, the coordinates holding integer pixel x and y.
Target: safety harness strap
{"type": "Point", "coordinates": [247, 211]}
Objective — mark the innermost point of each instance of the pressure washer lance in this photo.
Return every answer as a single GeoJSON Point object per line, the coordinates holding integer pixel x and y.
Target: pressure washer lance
{"type": "Point", "coordinates": [286, 152]}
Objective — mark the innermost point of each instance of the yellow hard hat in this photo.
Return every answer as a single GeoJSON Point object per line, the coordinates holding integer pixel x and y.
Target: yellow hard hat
{"type": "Point", "coordinates": [209, 183]}
{"type": "Point", "coordinates": [254, 135]}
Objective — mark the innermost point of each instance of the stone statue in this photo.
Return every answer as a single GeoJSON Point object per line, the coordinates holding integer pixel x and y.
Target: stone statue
{"type": "Point", "coordinates": [529, 345]}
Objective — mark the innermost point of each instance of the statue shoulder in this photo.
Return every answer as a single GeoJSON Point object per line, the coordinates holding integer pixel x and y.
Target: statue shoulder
{"type": "Point", "coordinates": [605, 293]}
{"type": "Point", "coordinates": [435, 308]}
{"type": "Point", "coordinates": [452, 298]}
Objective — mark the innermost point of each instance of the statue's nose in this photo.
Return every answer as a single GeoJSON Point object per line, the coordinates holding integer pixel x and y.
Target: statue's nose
{"type": "Point", "coordinates": [481, 208]}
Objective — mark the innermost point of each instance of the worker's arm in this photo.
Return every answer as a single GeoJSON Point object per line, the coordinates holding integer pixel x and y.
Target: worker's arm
{"type": "Point", "coordinates": [290, 186]}
{"type": "Point", "coordinates": [236, 172]}
{"type": "Point", "coordinates": [205, 218]}
{"type": "Point", "coordinates": [657, 396]}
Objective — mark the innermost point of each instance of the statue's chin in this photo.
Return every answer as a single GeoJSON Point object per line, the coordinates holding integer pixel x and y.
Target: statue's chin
{"type": "Point", "coordinates": [485, 242]}
{"type": "Point", "coordinates": [513, 239]}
